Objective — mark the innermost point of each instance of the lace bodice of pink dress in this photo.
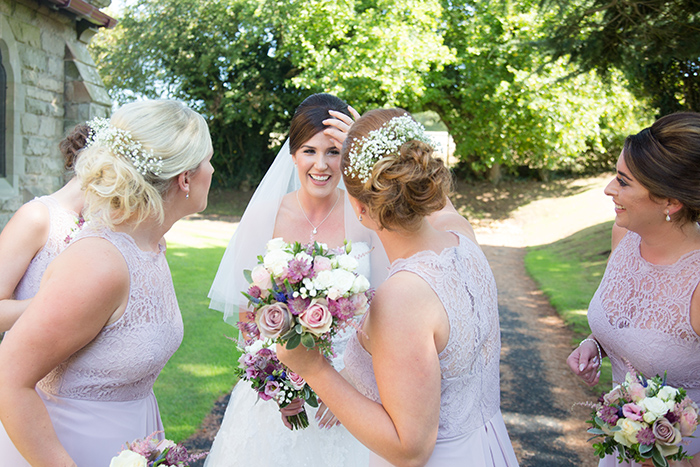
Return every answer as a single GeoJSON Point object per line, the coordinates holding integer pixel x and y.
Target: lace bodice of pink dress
{"type": "Point", "coordinates": [471, 429]}
{"type": "Point", "coordinates": [641, 313]}
{"type": "Point", "coordinates": [62, 222]}
{"type": "Point", "coordinates": [102, 396]}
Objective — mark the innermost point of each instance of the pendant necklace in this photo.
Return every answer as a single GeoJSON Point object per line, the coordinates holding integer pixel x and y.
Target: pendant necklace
{"type": "Point", "coordinates": [324, 219]}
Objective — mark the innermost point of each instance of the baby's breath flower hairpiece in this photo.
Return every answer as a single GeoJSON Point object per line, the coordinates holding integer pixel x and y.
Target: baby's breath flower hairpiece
{"type": "Point", "coordinates": [383, 142]}
{"type": "Point", "coordinates": [120, 142]}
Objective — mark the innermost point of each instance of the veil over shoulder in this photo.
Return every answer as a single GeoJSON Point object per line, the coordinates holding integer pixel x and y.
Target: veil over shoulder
{"type": "Point", "coordinates": [256, 228]}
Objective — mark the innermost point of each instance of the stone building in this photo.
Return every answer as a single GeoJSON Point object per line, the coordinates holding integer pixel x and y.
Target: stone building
{"type": "Point", "coordinates": [48, 83]}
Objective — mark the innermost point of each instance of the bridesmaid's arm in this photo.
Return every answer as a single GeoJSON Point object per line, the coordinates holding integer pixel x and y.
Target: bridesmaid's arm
{"type": "Point", "coordinates": [21, 239]}
{"type": "Point", "coordinates": [82, 290]}
{"type": "Point", "coordinates": [401, 328]}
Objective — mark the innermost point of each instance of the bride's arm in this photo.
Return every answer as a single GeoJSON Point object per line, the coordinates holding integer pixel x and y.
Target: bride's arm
{"type": "Point", "coordinates": [402, 329]}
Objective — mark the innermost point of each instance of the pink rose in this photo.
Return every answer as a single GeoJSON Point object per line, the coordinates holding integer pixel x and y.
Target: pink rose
{"type": "Point", "coordinates": [316, 319]}
{"type": "Point", "coordinates": [321, 263]}
{"type": "Point", "coordinates": [359, 301]}
{"type": "Point", "coordinates": [632, 411]}
{"type": "Point", "coordinates": [261, 278]}
{"type": "Point", "coordinates": [688, 421]}
{"type": "Point", "coordinates": [296, 380]}
{"type": "Point", "coordinates": [667, 436]}
{"type": "Point", "coordinates": [636, 391]}
{"type": "Point", "coordinates": [613, 396]}
{"type": "Point", "coordinates": [273, 320]}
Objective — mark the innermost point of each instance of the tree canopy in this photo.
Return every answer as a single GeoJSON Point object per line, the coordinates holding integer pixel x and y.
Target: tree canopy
{"type": "Point", "coordinates": [655, 43]}
{"type": "Point", "coordinates": [247, 64]}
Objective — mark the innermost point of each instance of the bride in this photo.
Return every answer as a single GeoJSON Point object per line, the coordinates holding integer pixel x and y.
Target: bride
{"type": "Point", "coordinates": [299, 199]}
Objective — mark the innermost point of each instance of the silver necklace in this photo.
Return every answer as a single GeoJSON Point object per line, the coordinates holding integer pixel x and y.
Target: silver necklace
{"type": "Point", "coordinates": [324, 219]}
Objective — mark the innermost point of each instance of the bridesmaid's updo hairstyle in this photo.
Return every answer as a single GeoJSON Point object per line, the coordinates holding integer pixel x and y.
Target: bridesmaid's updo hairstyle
{"type": "Point", "coordinates": [309, 116]}
{"type": "Point", "coordinates": [72, 144]}
{"type": "Point", "coordinates": [132, 160]}
{"type": "Point", "coordinates": [665, 159]}
{"type": "Point", "coordinates": [406, 183]}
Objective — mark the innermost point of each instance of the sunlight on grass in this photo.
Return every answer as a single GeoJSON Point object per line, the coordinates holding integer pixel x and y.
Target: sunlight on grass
{"type": "Point", "coordinates": [201, 370]}
{"type": "Point", "coordinates": [204, 370]}
{"type": "Point", "coordinates": [568, 272]}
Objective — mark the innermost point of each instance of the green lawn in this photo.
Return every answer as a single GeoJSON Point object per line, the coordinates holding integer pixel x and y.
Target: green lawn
{"type": "Point", "coordinates": [201, 370]}
{"type": "Point", "coordinates": [568, 272]}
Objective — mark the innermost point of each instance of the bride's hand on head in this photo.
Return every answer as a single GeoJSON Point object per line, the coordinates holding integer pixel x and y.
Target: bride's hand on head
{"type": "Point", "coordinates": [339, 125]}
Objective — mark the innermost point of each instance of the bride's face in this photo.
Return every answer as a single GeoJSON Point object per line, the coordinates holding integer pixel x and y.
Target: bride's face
{"type": "Point", "coordinates": [318, 164]}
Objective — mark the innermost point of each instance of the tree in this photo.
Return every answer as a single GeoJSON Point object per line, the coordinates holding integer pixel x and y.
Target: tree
{"type": "Point", "coordinates": [508, 104]}
{"type": "Point", "coordinates": [656, 44]}
{"type": "Point", "coordinates": [246, 64]}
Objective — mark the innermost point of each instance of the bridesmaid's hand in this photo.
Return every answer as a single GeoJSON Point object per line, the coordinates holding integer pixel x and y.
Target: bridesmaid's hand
{"type": "Point", "coordinates": [325, 417]}
{"type": "Point", "coordinates": [584, 362]}
{"type": "Point", "coordinates": [339, 126]}
{"type": "Point", "coordinates": [301, 360]}
{"type": "Point", "coordinates": [293, 408]}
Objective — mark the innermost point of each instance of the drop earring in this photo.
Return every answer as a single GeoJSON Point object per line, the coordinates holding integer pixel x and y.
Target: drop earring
{"type": "Point", "coordinates": [668, 216]}
{"type": "Point", "coordinates": [187, 195]}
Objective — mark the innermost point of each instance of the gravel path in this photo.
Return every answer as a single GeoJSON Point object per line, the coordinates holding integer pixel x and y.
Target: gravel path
{"type": "Point", "coordinates": [537, 388]}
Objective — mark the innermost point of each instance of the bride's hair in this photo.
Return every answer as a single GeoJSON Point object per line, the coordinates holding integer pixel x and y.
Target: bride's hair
{"type": "Point", "coordinates": [309, 116]}
{"type": "Point", "coordinates": [403, 187]}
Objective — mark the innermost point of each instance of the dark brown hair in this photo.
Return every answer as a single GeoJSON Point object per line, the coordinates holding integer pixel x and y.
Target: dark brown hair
{"type": "Point", "coordinates": [72, 144]}
{"type": "Point", "coordinates": [665, 159]}
{"type": "Point", "coordinates": [403, 187]}
{"type": "Point", "coordinates": [309, 116]}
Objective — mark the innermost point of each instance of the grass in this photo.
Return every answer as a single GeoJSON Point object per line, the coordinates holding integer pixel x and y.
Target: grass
{"type": "Point", "coordinates": [568, 271]}
{"type": "Point", "coordinates": [202, 368]}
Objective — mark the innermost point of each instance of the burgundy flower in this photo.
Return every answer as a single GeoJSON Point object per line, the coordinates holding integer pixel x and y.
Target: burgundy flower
{"type": "Point", "coordinates": [176, 455]}
{"type": "Point", "coordinates": [298, 305]}
{"type": "Point", "coordinates": [297, 269]}
{"type": "Point", "coordinates": [609, 415]}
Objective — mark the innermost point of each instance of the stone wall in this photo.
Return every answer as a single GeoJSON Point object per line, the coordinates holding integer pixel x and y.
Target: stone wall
{"type": "Point", "coordinates": [52, 85]}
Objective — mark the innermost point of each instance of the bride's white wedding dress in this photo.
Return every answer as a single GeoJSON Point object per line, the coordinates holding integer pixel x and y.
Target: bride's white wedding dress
{"type": "Point", "coordinates": [252, 432]}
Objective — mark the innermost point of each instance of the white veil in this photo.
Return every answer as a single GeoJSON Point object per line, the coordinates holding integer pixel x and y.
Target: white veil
{"type": "Point", "coordinates": [256, 228]}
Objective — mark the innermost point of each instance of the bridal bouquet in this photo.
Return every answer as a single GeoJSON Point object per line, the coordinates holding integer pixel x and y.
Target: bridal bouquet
{"type": "Point", "coordinates": [643, 419]}
{"type": "Point", "coordinates": [304, 294]}
{"type": "Point", "coordinates": [150, 452]}
{"type": "Point", "coordinates": [271, 380]}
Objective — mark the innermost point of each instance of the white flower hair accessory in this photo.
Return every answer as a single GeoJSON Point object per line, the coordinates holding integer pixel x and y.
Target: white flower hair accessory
{"type": "Point", "coordinates": [120, 142]}
{"type": "Point", "coordinates": [383, 142]}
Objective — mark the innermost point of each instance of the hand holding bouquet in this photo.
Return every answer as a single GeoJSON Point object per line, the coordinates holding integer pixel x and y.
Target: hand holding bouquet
{"type": "Point", "coordinates": [300, 294]}
{"type": "Point", "coordinates": [271, 380]}
{"type": "Point", "coordinates": [150, 452]}
{"type": "Point", "coordinates": [643, 419]}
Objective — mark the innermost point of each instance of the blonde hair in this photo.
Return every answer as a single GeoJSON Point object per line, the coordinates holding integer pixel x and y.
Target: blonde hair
{"type": "Point", "coordinates": [403, 187]}
{"type": "Point", "coordinates": [115, 190]}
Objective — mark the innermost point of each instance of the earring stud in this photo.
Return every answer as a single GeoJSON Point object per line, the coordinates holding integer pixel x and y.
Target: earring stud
{"type": "Point", "coordinates": [668, 217]}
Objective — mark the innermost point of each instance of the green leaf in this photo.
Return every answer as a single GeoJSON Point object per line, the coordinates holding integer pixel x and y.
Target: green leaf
{"type": "Point", "coordinates": [247, 273]}
{"type": "Point", "coordinates": [596, 431]}
{"type": "Point", "coordinates": [646, 449]}
{"type": "Point", "coordinates": [308, 340]}
{"type": "Point", "coordinates": [659, 460]}
{"type": "Point", "coordinates": [293, 342]}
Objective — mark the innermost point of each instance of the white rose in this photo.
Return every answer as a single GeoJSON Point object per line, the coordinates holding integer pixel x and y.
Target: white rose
{"type": "Point", "coordinates": [627, 436]}
{"type": "Point", "coordinates": [276, 244]}
{"type": "Point", "coordinates": [346, 262]}
{"type": "Point", "coordinates": [261, 278]}
{"type": "Point", "coordinates": [668, 394]}
{"type": "Point", "coordinates": [276, 261]}
{"type": "Point", "coordinates": [323, 280]}
{"type": "Point", "coordinates": [255, 347]}
{"type": "Point", "coordinates": [653, 408]}
{"type": "Point", "coordinates": [128, 459]}
{"type": "Point", "coordinates": [302, 256]}
{"type": "Point", "coordinates": [361, 284]}
{"type": "Point", "coordinates": [343, 280]}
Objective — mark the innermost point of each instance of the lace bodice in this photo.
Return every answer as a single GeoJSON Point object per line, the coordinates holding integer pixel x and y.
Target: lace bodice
{"type": "Point", "coordinates": [123, 361]}
{"type": "Point", "coordinates": [61, 223]}
{"type": "Point", "coordinates": [470, 392]}
{"type": "Point", "coordinates": [641, 312]}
